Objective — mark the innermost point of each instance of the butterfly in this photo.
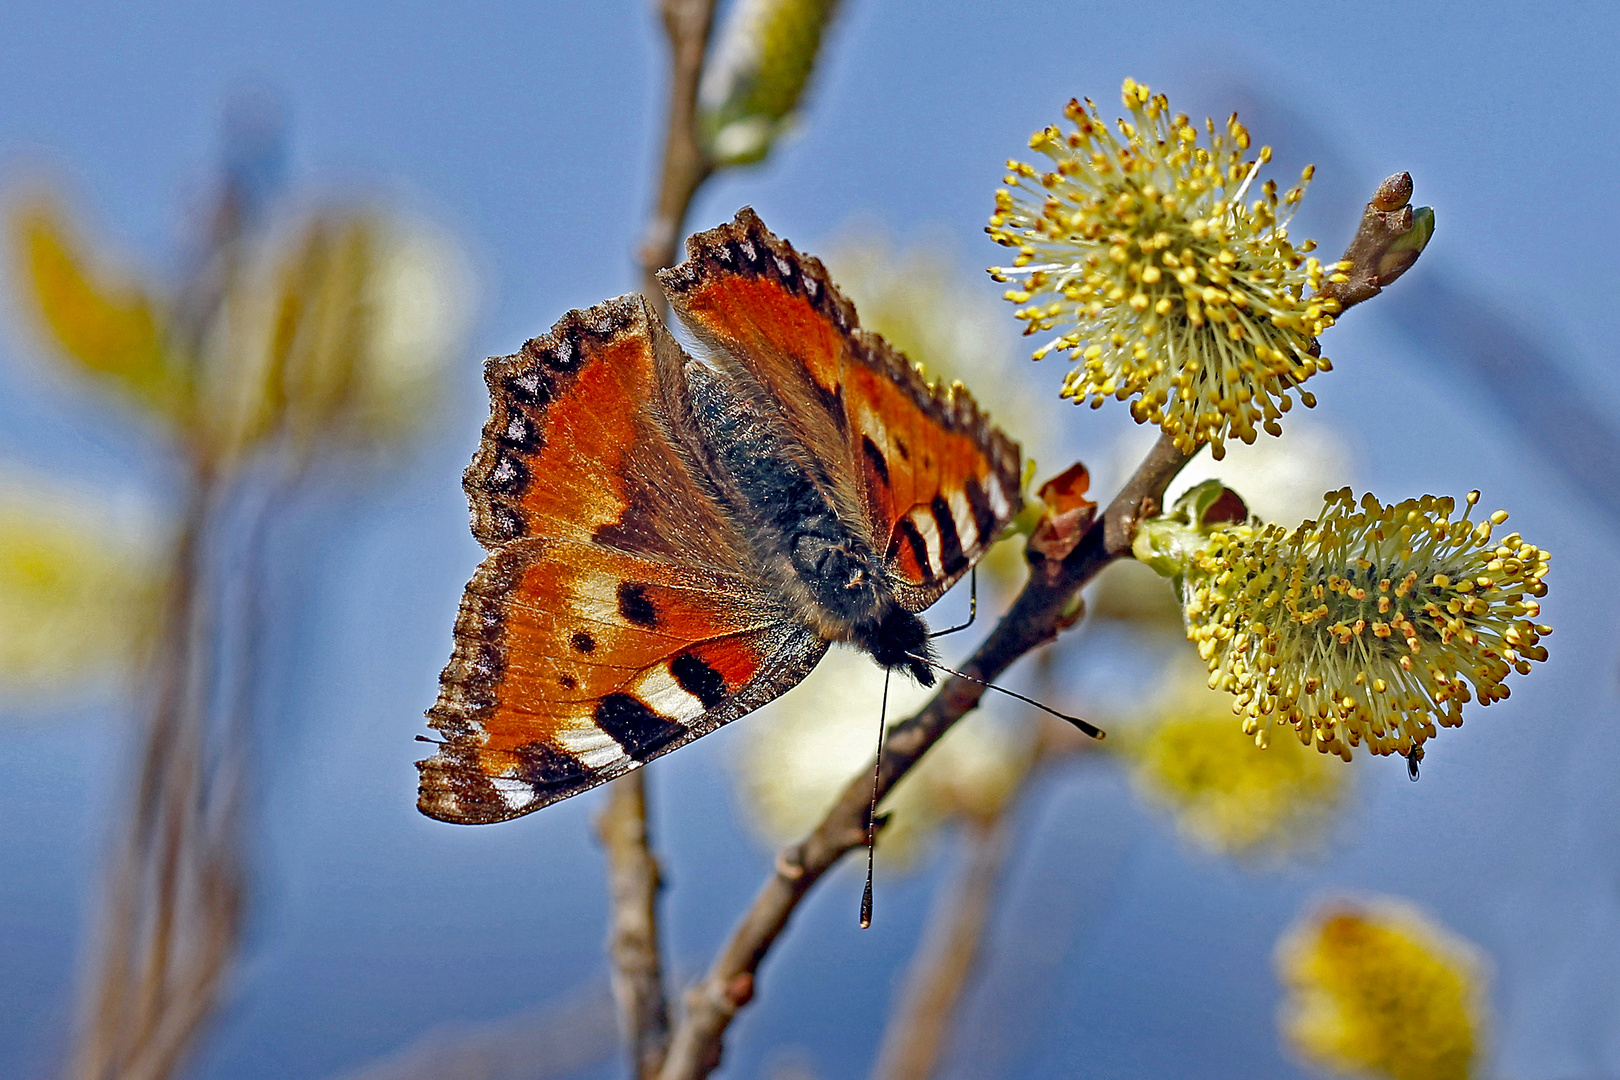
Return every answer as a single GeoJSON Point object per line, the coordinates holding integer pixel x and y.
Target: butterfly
{"type": "Point", "coordinates": [675, 540]}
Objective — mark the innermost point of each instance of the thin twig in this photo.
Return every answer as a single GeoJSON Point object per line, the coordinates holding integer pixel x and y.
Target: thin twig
{"type": "Point", "coordinates": [633, 872]}
{"type": "Point", "coordinates": [1045, 606]}
{"type": "Point", "coordinates": [633, 949]}
{"type": "Point", "coordinates": [686, 165]}
{"type": "Point", "coordinates": [1376, 254]}
{"type": "Point", "coordinates": [174, 904]}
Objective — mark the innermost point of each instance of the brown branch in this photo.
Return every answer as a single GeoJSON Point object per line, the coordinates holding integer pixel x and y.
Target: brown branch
{"type": "Point", "coordinates": [633, 872]}
{"type": "Point", "coordinates": [173, 909]}
{"type": "Point", "coordinates": [686, 165]}
{"type": "Point", "coordinates": [633, 884]}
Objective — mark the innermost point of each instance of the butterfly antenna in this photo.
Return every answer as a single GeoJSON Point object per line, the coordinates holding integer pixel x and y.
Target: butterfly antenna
{"type": "Point", "coordinates": [973, 605]}
{"type": "Point", "coordinates": [871, 809]}
{"type": "Point", "coordinates": [1089, 728]}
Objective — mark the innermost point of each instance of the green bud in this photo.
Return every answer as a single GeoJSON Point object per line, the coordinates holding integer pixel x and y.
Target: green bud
{"type": "Point", "coordinates": [756, 75]}
{"type": "Point", "coordinates": [1168, 541]}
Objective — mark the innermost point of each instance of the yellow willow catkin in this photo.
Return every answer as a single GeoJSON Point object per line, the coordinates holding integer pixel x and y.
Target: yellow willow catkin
{"type": "Point", "coordinates": [1176, 292]}
{"type": "Point", "coordinates": [1369, 625]}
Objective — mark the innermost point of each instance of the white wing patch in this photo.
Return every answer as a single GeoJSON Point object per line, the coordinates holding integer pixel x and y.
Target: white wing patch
{"type": "Point", "coordinates": [593, 747]}
{"type": "Point", "coordinates": [664, 696]}
{"type": "Point", "coordinates": [516, 794]}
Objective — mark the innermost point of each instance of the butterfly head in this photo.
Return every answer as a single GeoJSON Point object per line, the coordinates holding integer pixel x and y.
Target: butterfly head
{"type": "Point", "coordinates": [899, 639]}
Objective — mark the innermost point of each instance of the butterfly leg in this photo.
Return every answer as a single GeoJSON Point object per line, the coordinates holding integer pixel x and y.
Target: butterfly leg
{"type": "Point", "coordinates": [973, 605]}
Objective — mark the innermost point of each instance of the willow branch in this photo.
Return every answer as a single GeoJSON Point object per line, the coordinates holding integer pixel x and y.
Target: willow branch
{"type": "Point", "coordinates": [173, 910]}
{"type": "Point", "coordinates": [1041, 609]}
{"type": "Point", "coordinates": [1046, 605]}
{"type": "Point", "coordinates": [686, 165]}
{"type": "Point", "coordinates": [634, 880]}
{"type": "Point", "coordinates": [633, 872]}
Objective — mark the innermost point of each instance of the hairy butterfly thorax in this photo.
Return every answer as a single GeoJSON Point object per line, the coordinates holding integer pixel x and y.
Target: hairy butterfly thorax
{"type": "Point", "coordinates": [818, 553]}
{"type": "Point", "coordinates": [673, 542]}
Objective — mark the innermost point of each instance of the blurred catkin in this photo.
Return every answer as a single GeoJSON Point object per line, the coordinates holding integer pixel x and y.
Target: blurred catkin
{"type": "Point", "coordinates": [1378, 988]}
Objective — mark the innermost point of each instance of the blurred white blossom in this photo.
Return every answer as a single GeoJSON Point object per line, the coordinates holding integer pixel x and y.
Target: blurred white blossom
{"type": "Point", "coordinates": [800, 753]}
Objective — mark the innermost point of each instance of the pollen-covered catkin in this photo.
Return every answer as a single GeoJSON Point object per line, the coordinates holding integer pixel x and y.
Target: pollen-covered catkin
{"type": "Point", "coordinates": [1166, 287]}
{"type": "Point", "coordinates": [1372, 624]}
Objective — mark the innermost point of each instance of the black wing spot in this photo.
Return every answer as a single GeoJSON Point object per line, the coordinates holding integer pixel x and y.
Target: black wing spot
{"type": "Point", "coordinates": [564, 355]}
{"type": "Point", "coordinates": [787, 272]}
{"type": "Point", "coordinates": [508, 477]}
{"type": "Point", "coordinates": [984, 515]}
{"type": "Point", "coordinates": [520, 434]}
{"type": "Point", "coordinates": [634, 726]}
{"type": "Point", "coordinates": [533, 388]}
{"type": "Point", "coordinates": [634, 604]}
{"type": "Point", "coordinates": [880, 464]}
{"type": "Point", "coordinates": [900, 445]}
{"type": "Point", "coordinates": [567, 682]}
{"type": "Point", "coordinates": [583, 642]}
{"type": "Point", "coordinates": [546, 766]}
{"type": "Point", "coordinates": [919, 547]}
{"type": "Point", "coordinates": [505, 524]}
{"type": "Point", "coordinates": [699, 679]}
{"type": "Point", "coordinates": [950, 544]}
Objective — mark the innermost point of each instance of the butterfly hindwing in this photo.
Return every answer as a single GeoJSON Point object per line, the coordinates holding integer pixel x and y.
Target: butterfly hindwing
{"type": "Point", "coordinates": [935, 481]}
{"type": "Point", "coordinates": [575, 663]}
{"type": "Point", "coordinates": [617, 616]}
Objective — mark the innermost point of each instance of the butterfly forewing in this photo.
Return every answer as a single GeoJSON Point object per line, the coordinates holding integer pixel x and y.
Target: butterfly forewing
{"type": "Point", "coordinates": [934, 479]}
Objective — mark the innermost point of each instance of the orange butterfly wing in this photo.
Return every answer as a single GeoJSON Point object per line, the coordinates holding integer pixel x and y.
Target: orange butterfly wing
{"type": "Point", "coordinates": [618, 616]}
{"type": "Point", "coordinates": [934, 480]}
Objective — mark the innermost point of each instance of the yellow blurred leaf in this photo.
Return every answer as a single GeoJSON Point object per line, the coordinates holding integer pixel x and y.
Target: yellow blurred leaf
{"type": "Point", "coordinates": [102, 320]}
{"type": "Point", "coordinates": [322, 324]}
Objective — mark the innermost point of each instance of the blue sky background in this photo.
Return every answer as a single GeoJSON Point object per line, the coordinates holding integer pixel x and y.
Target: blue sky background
{"type": "Point", "coordinates": [526, 129]}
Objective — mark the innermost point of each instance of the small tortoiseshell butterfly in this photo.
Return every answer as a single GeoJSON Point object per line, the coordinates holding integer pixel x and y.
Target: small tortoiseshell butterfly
{"type": "Point", "coordinates": [674, 541]}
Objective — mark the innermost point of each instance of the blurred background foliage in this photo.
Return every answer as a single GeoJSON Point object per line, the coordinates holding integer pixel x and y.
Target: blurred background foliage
{"type": "Point", "coordinates": [305, 338]}
{"type": "Point", "coordinates": [1376, 987]}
